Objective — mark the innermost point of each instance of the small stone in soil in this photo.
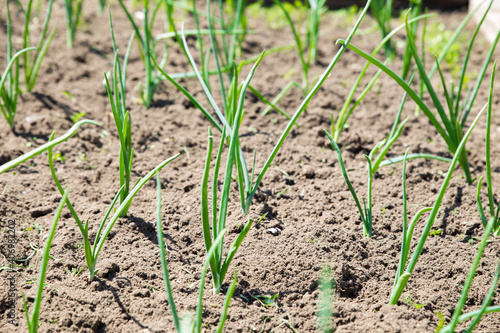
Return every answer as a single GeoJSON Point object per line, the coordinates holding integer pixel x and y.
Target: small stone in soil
{"type": "Point", "coordinates": [308, 172]}
{"type": "Point", "coordinates": [40, 211]}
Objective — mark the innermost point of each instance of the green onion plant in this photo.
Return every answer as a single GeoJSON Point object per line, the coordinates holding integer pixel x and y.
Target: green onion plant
{"type": "Point", "coordinates": [32, 63]}
{"type": "Point", "coordinates": [33, 319]}
{"type": "Point", "coordinates": [414, 11]}
{"type": "Point", "coordinates": [348, 106]}
{"type": "Point", "coordinates": [446, 50]}
{"type": "Point", "coordinates": [227, 48]}
{"type": "Point", "coordinates": [491, 200]}
{"type": "Point", "coordinates": [190, 323]}
{"type": "Point", "coordinates": [375, 160]}
{"type": "Point", "coordinates": [404, 271]}
{"type": "Point", "coordinates": [218, 265]}
{"type": "Point", "coordinates": [92, 251]}
{"type": "Point", "coordinates": [364, 211]}
{"type": "Point", "coordinates": [73, 14]}
{"type": "Point", "coordinates": [247, 186]}
{"type": "Point", "coordinates": [224, 49]}
{"type": "Point", "coordinates": [226, 33]}
{"type": "Point", "coordinates": [382, 12]}
{"type": "Point", "coordinates": [9, 83]}
{"type": "Point", "coordinates": [407, 228]}
{"type": "Point", "coordinates": [307, 45]}
{"type": "Point", "coordinates": [147, 45]}
{"type": "Point", "coordinates": [231, 20]}
{"type": "Point", "coordinates": [452, 123]}
{"type": "Point", "coordinates": [23, 158]}
{"type": "Point", "coordinates": [123, 121]}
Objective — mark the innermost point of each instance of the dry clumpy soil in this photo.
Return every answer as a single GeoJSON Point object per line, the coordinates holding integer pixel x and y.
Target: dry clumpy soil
{"type": "Point", "coordinates": [310, 206]}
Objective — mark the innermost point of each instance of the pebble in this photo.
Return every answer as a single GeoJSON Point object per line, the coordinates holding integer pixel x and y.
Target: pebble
{"type": "Point", "coordinates": [40, 211]}
{"type": "Point", "coordinates": [308, 172]}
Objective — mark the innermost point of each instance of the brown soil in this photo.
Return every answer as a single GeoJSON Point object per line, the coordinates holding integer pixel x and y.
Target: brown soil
{"type": "Point", "coordinates": [313, 209]}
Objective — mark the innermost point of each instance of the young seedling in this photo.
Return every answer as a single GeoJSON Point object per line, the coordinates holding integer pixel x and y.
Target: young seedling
{"type": "Point", "coordinates": [73, 12]}
{"type": "Point", "coordinates": [33, 62]}
{"type": "Point", "coordinates": [491, 200]}
{"type": "Point", "coordinates": [23, 158]}
{"type": "Point", "coordinates": [407, 229]}
{"type": "Point", "coordinates": [364, 211]}
{"type": "Point", "coordinates": [234, 111]}
{"type": "Point", "coordinates": [92, 251]}
{"type": "Point", "coordinates": [307, 46]}
{"type": "Point", "coordinates": [147, 45]}
{"type": "Point", "coordinates": [414, 11]}
{"type": "Point", "coordinates": [247, 186]}
{"type": "Point", "coordinates": [225, 50]}
{"type": "Point", "coordinates": [228, 47]}
{"type": "Point", "coordinates": [32, 319]}
{"type": "Point", "coordinates": [189, 322]}
{"type": "Point", "coordinates": [347, 109]}
{"type": "Point", "coordinates": [123, 121]}
{"type": "Point", "coordinates": [452, 124]}
{"type": "Point", "coordinates": [218, 265]}
{"type": "Point", "coordinates": [374, 162]}
{"type": "Point", "coordinates": [9, 83]}
{"type": "Point", "coordinates": [403, 274]}
{"type": "Point", "coordinates": [382, 12]}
